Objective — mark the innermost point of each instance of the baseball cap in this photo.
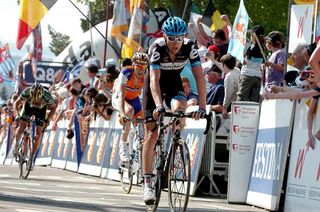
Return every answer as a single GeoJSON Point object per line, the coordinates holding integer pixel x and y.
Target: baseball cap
{"type": "Point", "coordinates": [274, 37]}
{"type": "Point", "coordinates": [214, 48]}
{"type": "Point", "coordinates": [111, 62]}
{"type": "Point", "coordinates": [259, 30]}
{"type": "Point", "coordinates": [214, 68]}
{"type": "Point", "coordinates": [93, 62]}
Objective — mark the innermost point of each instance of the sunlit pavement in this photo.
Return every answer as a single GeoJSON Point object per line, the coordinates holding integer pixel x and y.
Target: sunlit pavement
{"type": "Point", "coordinates": [50, 189]}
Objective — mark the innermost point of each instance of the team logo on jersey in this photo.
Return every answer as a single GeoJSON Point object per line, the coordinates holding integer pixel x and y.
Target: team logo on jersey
{"type": "Point", "coordinates": [194, 53]}
{"type": "Point", "coordinates": [155, 56]}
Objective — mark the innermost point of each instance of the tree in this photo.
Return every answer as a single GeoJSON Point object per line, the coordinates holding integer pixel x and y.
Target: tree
{"type": "Point", "coordinates": [59, 41]}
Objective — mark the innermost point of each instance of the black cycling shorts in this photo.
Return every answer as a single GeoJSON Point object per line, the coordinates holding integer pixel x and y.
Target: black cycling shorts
{"type": "Point", "coordinates": [28, 111]}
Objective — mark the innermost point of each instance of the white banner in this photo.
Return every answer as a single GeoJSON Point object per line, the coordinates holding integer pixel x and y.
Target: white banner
{"type": "Point", "coordinates": [244, 127]}
{"type": "Point", "coordinates": [275, 126]}
{"type": "Point", "coordinates": [300, 25]}
{"type": "Point", "coordinates": [303, 185]}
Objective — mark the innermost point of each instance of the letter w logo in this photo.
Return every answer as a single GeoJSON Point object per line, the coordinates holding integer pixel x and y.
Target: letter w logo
{"type": "Point", "coordinates": [299, 164]}
{"type": "Point", "coordinates": [301, 24]}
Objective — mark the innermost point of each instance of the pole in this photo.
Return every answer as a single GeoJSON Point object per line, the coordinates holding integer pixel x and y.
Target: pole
{"type": "Point", "coordinates": [106, 37]}
{"type": "Point", "coordinates": [90, 25]}
{"type": "Point", "coordinates": [185, 9]}
{"type": "Point", "coordinates": [118, 54]}
{"type": "Point", "coordinates": [257, 40]}
{"type": "Point", "coordinates": [315, 21]}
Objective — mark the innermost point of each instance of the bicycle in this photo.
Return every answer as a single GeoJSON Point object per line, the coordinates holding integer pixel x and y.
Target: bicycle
{"type": "Point", "coordinates": [173, 168]}
{"type": "Point", "coordinates": [25, 154]}
{"type": "Point", "coordinates": [134, 166]}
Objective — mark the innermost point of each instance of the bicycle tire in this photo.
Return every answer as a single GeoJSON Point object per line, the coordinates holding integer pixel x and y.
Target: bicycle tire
{"type": "Point", "coordinates": [157, 190]}
{"type": "Point", "coordinates": [179, 176]}
{"type": "Point", "coordinates": [126, 177]}
{"type": "Point", "coordinates": [26, 157]}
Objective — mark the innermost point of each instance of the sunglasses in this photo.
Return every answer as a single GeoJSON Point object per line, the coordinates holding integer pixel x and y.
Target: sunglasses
{"type": "Point", "coordinates": [140, 66]}
{"type": "Point", "coordinates": [175, 38]}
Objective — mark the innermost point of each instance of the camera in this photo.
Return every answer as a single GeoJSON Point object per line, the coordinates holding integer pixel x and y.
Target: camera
{"type": "Point", "coordinates": [70, 133]}
{"type": "Point", "coordinates": [305, 74]}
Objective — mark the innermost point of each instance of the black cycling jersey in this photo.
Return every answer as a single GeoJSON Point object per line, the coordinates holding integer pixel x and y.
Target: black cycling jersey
{"type": "Point", "coordinates": [170, 79]}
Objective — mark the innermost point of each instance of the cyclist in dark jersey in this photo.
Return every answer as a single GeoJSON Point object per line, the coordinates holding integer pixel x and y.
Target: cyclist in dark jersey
{"type": "Point", "coordinates": [168, 57]}
{"type": "Point", "coordinates": [35, 100]}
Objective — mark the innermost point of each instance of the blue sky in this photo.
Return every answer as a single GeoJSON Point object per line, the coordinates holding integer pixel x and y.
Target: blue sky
{"type": "Point", "coordinates": [63, 17]}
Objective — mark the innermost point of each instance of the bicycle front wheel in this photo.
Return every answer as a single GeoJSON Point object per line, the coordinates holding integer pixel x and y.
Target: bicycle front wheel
{"type": "Point", "coordinates": [179, 177]}
{"type": "Point", "coordinates": [126, 177]}
{"type": "Point", "coordinates": [25, 151]}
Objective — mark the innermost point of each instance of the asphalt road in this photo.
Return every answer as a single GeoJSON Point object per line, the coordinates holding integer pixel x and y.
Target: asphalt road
{"type": "Point", "coordinates": [49, 190]}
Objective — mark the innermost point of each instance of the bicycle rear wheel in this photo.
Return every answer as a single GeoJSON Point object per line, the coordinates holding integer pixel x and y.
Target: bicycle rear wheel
{"type": "Point", "coordinates": [179, 177]}
{"type": "Point", "coordinates": [126, 177]}
{"type": "Point", "coordinates": [26, 157]}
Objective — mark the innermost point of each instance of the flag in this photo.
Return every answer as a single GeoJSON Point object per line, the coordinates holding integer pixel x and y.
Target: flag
{"type": "Point", "coordinates": [78, 68]}
{"type": "Point", "coordinates": [212, 17]}
{"type": "Point", "coordinates": [36, 46]}
{"type": "Point", "coordinates": [239, 32]}
{"type": "Point", "coordinates": [7, 63]}
{"type": "Point", "coordinates": [31, 13]}
{"type": "Point", "coordinates": [137, 29]}
{"type": "Point", "coordinates": [120, 19]}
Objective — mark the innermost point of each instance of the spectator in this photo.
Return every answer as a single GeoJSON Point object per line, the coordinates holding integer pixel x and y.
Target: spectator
{"type": "Point", "coordinates": [126, 62]}
{"type": "Point", "coordinates": [101, 106]}
{"type": "Point", "coordinates": [231, 82]}
{"type": "Point", "coordinates": [250, 78]}
{"type": "Point", "coordinates": [212, 58]}
{"type": "Point", "coordinates": [192, 97]}
{"type": "Point", "coordinates": [215, 95]}
{"type": "Point", "coordinates": [219, 39]}
{"type": "Point", "coordinates": [106, 81]}
{"type": "Point", "coordinates": [274, 67]}
{"type": "Point", "coordinates": [92, 67]}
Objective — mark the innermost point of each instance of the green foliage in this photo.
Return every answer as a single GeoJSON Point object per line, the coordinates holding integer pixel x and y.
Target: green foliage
{"type": "Point", "coordinates": [271, 14]}
{"type": "Point", "coordinates": [59, 41]}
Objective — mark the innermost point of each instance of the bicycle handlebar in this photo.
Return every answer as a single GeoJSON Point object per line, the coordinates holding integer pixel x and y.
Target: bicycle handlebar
{"type": "Point", "coordinates": [180, 114]}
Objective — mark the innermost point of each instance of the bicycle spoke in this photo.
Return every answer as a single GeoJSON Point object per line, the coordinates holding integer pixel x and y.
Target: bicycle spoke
{"type": "Point", "coordinates": [179, 178]}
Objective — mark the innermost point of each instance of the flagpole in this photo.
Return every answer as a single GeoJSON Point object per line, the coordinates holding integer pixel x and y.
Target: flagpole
{"type": "Point", "coordinates": [114, 49]}
{"type": "Point", "coordinates": [185, 9]}
{"type": "Point", "coordinates": [91, 41]}
{"type": "Point", "coordinates": [106, 37]}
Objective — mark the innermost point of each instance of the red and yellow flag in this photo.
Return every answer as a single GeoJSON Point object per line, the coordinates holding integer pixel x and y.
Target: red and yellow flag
{"type": "Point", "coordinates": [31, 13]}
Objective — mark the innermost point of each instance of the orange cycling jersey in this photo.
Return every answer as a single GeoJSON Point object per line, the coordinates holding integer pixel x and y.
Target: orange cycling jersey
{"type": "Point", "coordinates": [133, 85]}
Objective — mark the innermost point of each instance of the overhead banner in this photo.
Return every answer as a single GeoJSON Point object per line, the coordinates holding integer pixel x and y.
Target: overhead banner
{"type": "Point", "coordinates": [300, 25]}
{"type": "Point", "coordinates": [303, 184]}
{"type": "Point", "coordinates": [270, 155]}
{"type": "Point", "coordinates": [244, 128]}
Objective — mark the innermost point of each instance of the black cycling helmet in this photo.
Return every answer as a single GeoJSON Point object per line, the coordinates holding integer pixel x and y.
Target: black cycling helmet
{"type": "Point", "coordinates": [36, 91]}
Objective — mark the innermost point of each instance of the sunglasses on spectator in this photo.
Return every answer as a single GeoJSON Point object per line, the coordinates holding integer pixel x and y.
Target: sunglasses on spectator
{"type": "Point", "coordinates": [175, 38]}
{"type": "Point", "coordinates": [99, 104]}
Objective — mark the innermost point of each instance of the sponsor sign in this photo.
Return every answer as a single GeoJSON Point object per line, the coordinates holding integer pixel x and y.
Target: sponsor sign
{"type": "Point", "coordinates": [300, 25]}
{"type": "Point", "coordinates": [43, 157]}
{"type": "Point", "coordinates": [244, 128]}
{"type": "Point", "coordinates": [81, 130]}
{"type": "Point", "coordinates": [303, 187]}
{"type": "Point", "coordinates": [270, 153]}
{"type": "Point", "coordinates": [59, 157]}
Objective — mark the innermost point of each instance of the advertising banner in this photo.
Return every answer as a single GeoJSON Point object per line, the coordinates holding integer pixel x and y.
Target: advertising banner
{"type": "Point", "coordinates": [72, 160]}
{"type": "Point", "coordinates": [303, 187]}
{"type": "Point", "coordinates": [91, 160]}
{"type": "Point", "coordinates": [59, 157]}
{"type": "Point", "coordinates": [81, 132]}
{"type": "Point", "coordinates": [270, 154]}
{"type": "Point", "coordinates": [244, 128]}
{"type": "Point", "coordinates": [43, 157]}
{"type": "Point", "coordinates": [300, 25]}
